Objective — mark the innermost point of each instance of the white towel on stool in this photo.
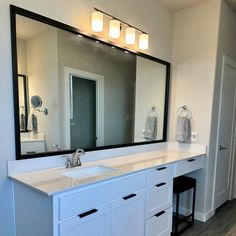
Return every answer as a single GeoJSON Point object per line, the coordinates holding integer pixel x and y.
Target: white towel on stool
{"type": "Point", "coordinates": [183, 129]}
{"type": "Point", "coordinates": [151, 128]}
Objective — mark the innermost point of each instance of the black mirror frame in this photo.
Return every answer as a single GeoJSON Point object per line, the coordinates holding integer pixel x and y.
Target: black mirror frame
{"type": "Point", "coordinates": [14, 10]}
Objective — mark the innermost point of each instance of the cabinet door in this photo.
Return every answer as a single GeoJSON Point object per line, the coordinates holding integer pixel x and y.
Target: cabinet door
{"type": "Point", "coordinates": [91, 223]}
{"type": "Point", "coordinates": [127, 215]}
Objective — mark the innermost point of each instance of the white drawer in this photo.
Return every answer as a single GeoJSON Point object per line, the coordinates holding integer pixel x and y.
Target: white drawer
{"type": "Point", "coordinates": [160, 225]}
{"type": "Point", "coordinates": [158, 198]}
{"type": "Point", "coordinates": [96, 196]}
{"type": "Point", "coordinates": [159, 174]}
{"type": "Point", "coordinates": [187, 166]}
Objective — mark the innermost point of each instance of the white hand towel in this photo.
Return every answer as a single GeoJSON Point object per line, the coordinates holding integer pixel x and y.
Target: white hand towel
{"type": "Point", "coordinates": [151, 128]}
{"type": "Point", "coordinates": [183, 129]}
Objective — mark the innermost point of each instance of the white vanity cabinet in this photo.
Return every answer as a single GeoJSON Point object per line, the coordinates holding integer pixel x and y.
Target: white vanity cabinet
{"type": "Point", "coordinates": [93, 222]}
{"type": "Point", "coordinates": [159, 194]}
{"type": "Point", "coordinates": [136, 204]}
{"type": "Point", "coordinates": [127, 215]}
{"type": "Point", "coordinates": [109, 209]}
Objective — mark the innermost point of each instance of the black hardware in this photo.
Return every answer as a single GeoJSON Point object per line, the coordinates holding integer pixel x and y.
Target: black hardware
{"type": "Point", "coordinates": [161, 184]}
{"type": "Point", "coordinates": [191, 160]}
{"type": "Point", "coordinates": [87, 213]}
{"type": "Point", "coordinates": [129, 196]}
{"type": "Point", "coordinates": [162, 168]}
{"type": "Point", "coordinates": [160, 213]}
{"type": "Point", "coordinates": [223, 148]}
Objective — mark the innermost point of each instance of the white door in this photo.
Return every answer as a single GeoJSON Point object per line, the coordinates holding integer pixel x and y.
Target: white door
{"type": "Point", "coordinates": [127, 217]}
{"type": "Point", "coordinates": [91, 223]}
{"type": "Point", "coordinates": [225, 133]}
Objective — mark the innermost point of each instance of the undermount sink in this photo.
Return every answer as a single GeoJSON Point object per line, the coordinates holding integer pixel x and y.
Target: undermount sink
{"type": "Point", "coordinates": [88, 172]}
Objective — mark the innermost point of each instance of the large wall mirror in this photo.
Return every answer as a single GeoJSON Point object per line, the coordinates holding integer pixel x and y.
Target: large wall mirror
{"type": "Point", "coordinates": [82, 92]}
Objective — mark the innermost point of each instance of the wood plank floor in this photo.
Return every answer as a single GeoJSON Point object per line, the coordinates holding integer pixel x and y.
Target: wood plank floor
{"type": "Point", "coordinates": [223, 223]}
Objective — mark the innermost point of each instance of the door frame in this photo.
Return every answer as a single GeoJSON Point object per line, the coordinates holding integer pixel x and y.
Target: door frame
{"type": "Point", "coordinates": [99, 79]}
{"type": "Point", "coordinates": [226, 62]}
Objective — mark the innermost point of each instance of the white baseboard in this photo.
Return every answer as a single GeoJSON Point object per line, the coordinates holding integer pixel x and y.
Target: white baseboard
{"type": "Point", "coordinates": [203, 217]}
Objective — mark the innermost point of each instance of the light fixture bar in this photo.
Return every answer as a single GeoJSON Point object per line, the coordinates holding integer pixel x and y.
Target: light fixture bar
{"type": "Point", "coordinates": [123, 22]}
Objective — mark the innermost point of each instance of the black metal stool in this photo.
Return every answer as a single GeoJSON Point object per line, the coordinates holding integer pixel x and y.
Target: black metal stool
{"type": "Point", "coordinates": [182, 184]}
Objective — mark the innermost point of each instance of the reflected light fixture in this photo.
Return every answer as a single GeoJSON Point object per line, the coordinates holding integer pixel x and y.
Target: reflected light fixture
{"type": "Point", "coordinates": [97, 21]}
{"type": "Point", "coordinates": [114, 29]}
{"type": "Point", "coordinates": [143, 41]}
{"type": "Point", "coordinates": [130, 35]}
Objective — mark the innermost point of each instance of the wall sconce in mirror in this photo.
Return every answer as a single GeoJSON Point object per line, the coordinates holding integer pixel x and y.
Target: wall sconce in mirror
{"type": "Point", "coordinates": [37, 103]}
{"type": "Point", "coordinates": [115, 26]}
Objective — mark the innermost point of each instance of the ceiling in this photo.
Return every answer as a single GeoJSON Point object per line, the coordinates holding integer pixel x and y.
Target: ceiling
{"type": "Point", "coordinates": [177, 5]}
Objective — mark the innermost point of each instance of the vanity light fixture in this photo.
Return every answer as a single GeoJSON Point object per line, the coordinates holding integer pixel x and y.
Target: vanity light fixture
{"type": "Point", "coordinates": [130, 35]}
{"type": "Point", "coordinates": [143, 41]}
{"type": "Point", "coordinates": [97, 21]}
{"type": "Point", "coordinates": [115, 27]}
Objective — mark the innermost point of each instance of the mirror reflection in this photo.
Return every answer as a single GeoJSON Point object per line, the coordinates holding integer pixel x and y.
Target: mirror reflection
{"type": "Point", "coordinates": [94, 94]}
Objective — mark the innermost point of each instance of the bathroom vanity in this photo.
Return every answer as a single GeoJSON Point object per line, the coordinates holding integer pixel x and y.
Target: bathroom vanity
{"type": "Point", "coordinates": [124, 187]}
{"type": "Point", "coordinates": [129, 196]}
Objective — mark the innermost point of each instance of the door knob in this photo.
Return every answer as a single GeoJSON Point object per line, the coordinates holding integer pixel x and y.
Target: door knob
{"type": "Point", "coordinates": [222, 148]}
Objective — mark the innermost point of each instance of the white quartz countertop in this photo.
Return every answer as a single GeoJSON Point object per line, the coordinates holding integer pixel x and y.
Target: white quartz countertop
{"type": "Point", "coordinates": [52, 181]}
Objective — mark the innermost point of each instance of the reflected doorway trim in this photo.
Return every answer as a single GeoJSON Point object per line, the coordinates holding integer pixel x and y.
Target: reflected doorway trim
{"type": "Point", "coordinates": [99, 79]}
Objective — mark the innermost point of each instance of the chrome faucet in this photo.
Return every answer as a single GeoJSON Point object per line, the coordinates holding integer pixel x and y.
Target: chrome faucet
{"type": "Point", "coordinates": [74, 159]}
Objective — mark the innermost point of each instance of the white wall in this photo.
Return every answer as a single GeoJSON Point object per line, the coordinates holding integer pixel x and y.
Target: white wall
{"type": "Point", "coordinates": [150, 16]}
{"type": "Point", "coordinates": [42, 64]}
{"type": "Point", "coordinates": [193, 74]}
{"type": "Point", "coordinates": [151, 77]}
{"type": "Point", "coordinates": [22, 58]}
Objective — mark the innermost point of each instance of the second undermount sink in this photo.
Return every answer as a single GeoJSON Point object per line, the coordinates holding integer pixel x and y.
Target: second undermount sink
{"type": "Point", "coordinates": [88, 172]}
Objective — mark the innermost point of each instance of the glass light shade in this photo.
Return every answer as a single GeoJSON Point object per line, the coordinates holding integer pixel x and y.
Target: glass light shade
{"type": "Point", "coordinates": [97, 21]}
{"type": "Point", "coordinates": [114, 29]}
{"type": "Point", "coordinates": [143, 41]}
{"type": "Point", "coordinates": [130, 35]}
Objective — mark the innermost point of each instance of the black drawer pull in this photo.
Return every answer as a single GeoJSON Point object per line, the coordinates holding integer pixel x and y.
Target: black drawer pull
{"type": "Point", "coordinates": [160, 213]}
{"type": "Point", "coordinates": [191, 160]}
{"type": "Point", "coordinates": [161, 184]}
{"type": "Point", "coordinates": [161, 168]}
{"type": "Point", "coordinates": [129, 196]}
{"type": "Point", "coordinates": [87, 213]}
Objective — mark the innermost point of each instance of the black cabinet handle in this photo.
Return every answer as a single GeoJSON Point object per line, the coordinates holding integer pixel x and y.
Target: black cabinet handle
{"type": "Point", "coordinates": [161, 184]}
{"type": "Point", "coordinates": [129, 196]}
{"type": "Point", "coordinates": [160, 213]}
{"type": "Point", "coordinates": [191, 160]}
{"type": "Point", "coordinates": [161, 168]}
{"type": "Point", "coordinates": [87, 213]}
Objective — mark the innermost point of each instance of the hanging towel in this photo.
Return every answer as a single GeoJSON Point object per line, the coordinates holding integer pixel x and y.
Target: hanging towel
{"type": "Point", "coordinates": [183, 129]}
{"type": "Point", "coordinates": [22, 121]}
{"type": "Point", "coordinates": [32, 122]}
{"type": "Point", "coordinates": [151, 128]}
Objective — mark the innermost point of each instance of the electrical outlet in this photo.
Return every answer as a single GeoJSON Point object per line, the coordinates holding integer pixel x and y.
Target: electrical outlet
{"type": "Point", "coordinates": [194, 136]}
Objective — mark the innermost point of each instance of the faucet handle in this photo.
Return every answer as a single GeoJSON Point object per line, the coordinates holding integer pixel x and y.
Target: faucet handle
{"type": "Point", "coordinates": [68, 163]}
{"type": "Point", "coordinates": [80, 151]}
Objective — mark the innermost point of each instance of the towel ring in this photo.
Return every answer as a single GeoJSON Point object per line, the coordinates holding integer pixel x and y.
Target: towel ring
{"type": "Point", "coordinates": [183, 109]}
{"type": "Point", "coordinates": [153, 112]}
